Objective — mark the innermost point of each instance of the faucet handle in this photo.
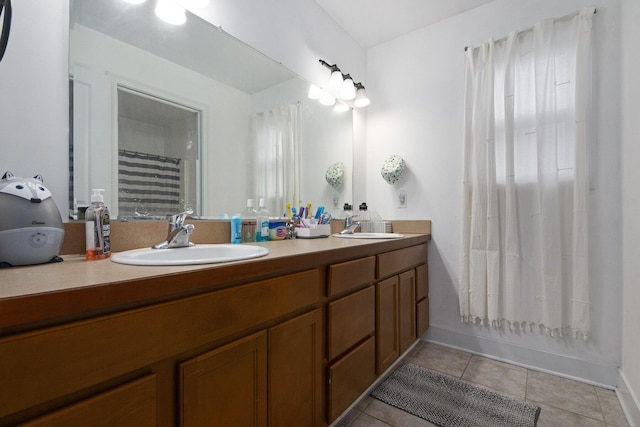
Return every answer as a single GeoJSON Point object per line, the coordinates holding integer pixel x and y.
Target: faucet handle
{"type": "Point", "coordinates": [177, 220]}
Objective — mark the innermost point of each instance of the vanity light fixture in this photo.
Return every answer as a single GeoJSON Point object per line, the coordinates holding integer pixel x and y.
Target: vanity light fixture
{"type": "Point", "coordinates": [348, 92]}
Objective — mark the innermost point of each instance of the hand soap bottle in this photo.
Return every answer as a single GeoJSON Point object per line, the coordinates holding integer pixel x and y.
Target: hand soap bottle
{"type": "Point", "coordinates": [97, 228]}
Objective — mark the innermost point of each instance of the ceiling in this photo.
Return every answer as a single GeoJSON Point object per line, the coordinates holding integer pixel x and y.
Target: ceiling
{"type": "Point", "coordinates": [373, 22]}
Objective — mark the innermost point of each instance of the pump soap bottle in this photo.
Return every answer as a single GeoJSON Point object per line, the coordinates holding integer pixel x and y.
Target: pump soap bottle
{"type": "Point", "coordinates": [97, 228]}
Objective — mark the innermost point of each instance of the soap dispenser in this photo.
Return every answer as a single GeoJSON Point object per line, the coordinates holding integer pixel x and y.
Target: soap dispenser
{"type": "Point", "coordinates": [97, 228]}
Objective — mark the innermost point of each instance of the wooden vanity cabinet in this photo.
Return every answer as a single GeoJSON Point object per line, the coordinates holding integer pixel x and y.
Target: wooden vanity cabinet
{"type": "Point", "coordinates": [295, 349]}
{"type": "Point", "coordinates": [55, 371]}
{"type": "Point", "coordinates": [396, 303]}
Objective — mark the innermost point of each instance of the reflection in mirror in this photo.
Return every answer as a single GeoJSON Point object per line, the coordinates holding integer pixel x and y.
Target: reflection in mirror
{"type": "Point", "coordinates": [237, 124]}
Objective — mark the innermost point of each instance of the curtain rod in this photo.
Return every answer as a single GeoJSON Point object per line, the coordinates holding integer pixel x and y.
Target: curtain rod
{"type": "Point", "coordinates": [562, 18]}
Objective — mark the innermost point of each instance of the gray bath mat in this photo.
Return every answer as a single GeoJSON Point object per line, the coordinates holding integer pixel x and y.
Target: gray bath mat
{"type": "Point", "coordinates": [449, 402]}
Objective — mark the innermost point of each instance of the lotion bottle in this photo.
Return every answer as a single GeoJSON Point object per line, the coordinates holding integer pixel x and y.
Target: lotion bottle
{"type": "Point", "coordinates": [97, 228]}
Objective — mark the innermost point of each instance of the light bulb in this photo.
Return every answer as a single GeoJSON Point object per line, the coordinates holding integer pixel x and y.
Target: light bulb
{"type": "Point", "coordinates": [341, 107]}
{"type": "Point", "coordinates": [348, 90]}
{"type": "Point", "coordinates": [170, 12]}
{"type": "Point", "coordinates": [197, 4]}
{"type": "Point", "coordinates": [362, 100]}
{"type": "Point", "coordinates": [335, 81]}
{"type": "Point", "coordinates": [314, 92]}
{"type": "Point", "coordinates": [327, 99]}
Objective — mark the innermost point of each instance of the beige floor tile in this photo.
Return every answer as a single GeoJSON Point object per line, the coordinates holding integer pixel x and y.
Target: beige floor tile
{"type": "Point", "coordinates": [365, 420]}
{"type": "Point", "coordinates": [498, 376]}
{"type": "Point", "coordinates": [443, 359]}
{"type": "Point", "coordinates": [554, 417]}
{"type": "Point", "coordinates": [611, 409]}
{"type": "Point", "coordinates": [394, 416]}
{"type": "Point", "coordinates": [349, 418]}
{"type": "Point", "coordinates": [563, 393]}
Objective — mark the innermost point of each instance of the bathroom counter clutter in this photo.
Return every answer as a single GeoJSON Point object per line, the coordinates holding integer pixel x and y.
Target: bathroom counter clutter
{"type": "Point", "coordinates": [33, 296]}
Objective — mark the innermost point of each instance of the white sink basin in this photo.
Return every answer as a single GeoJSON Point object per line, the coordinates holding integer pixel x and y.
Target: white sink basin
{"type": "Point", "coordinates": [199, 254]}
{"type": "Point", "coordinates": [369, 235]}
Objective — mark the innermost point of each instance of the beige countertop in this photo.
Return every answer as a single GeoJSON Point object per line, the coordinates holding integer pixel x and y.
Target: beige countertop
{"type": "Point", "coordinates": [46, 294]}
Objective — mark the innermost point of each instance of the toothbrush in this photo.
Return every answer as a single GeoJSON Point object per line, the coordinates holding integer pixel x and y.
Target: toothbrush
{"type": "Point", "coordinates": [308, 210]}
{"type": "Point", "coordinates": [288, 213]}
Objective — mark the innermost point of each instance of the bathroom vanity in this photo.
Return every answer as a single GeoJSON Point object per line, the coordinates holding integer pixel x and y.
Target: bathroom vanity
{"type": "Point", "coordinates": [290, 339]}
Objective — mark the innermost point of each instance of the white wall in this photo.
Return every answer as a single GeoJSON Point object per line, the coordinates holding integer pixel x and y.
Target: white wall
{"type": "Point", "coordinates": [34, 96]}
{"type": "Point", "coordinates": [419, 115]}
{"type": "Point", "coordinates": [630, 372]}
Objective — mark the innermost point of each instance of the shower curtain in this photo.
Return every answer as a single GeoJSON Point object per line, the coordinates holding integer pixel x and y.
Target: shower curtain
{"type": "Point", "coordinates": [276, 139]}
{"type": "Point", "coordinates": [524, 238]}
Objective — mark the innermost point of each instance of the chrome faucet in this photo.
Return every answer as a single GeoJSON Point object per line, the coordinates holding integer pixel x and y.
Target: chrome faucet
{"type": "Point", "coordinates": [349, 225]}
{"type": "Point", "coordinates": [179, 232]}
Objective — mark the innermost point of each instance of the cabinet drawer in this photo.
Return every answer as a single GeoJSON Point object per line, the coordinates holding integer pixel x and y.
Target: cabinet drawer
{"type": "Point", "coordinates": [422, 313]}
{"type": "Point", "coordinates": [350, 275]}
{"type": "Point", "coordinates": [422, 281]}
{"type": "Point", "coordinates": [133, 404]}
{"type": "Point", "coordinates": [349, 377]}
{"type": "Point", "coordinates": [350, 319]}
{"type": "Point", "coordinates": [397, 261]}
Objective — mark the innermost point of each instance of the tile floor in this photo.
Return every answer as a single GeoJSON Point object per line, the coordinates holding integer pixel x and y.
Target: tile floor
{"type": "Point", "coordinates": [564, 402]}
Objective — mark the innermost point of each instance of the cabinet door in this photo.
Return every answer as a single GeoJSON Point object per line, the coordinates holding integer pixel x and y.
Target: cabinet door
{"type": "Point", "coordinates": [133, 404]}
{"type": "Point", "coordinates": [407, 309]}
{"type": "Point", "coordinates": [295, 371]}
{"type": "Point", "coordinates": [227, 386]}
{"type": "Point", "coordinates": [386, 323]}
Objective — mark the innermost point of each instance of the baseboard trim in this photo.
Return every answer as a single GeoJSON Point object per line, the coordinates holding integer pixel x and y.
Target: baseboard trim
{"type": "Point", "coordinates": [573, 368]}
{"type": "Point", "coordinates": [628, 400]}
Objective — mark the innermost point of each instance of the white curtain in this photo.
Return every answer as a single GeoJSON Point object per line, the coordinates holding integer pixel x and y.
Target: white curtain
{"type": "Point", "coordinates": [524, 240]}
{"type": "Point", "coordinates": [276, 139]}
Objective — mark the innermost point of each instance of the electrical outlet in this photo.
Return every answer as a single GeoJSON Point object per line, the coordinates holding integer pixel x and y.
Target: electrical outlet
{"type": "Point", "coordinates": [402, 199]}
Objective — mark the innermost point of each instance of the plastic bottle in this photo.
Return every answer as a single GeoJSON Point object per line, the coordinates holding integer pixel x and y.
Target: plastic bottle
{"type": "Point", "coordinates": [236, 228]}
{"type": "Point", "coordinates": [262, 222]}
{"type": "Point", "coordinates": [249, 222]}
{"type": "Point", "coordinates": [97, 228]}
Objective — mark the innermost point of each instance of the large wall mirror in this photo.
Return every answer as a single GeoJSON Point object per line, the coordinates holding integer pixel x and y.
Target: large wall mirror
{"type": "Point", "coordinates": [168, 117]}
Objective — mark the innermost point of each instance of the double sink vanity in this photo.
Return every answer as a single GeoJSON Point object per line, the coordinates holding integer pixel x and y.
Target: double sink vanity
{"type": "Point", "coordinates": [292, 338]}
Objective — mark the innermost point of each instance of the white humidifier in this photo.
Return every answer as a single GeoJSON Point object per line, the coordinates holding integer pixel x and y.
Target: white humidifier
{"type": "Point", "coordinates": [31, 230]}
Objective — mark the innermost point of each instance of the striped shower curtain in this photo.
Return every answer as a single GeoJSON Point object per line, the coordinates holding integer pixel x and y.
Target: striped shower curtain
{"type": "Point", "coordinates": [149, 185]}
